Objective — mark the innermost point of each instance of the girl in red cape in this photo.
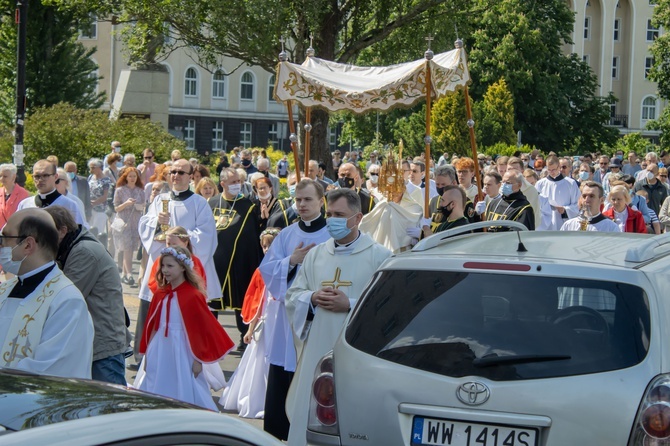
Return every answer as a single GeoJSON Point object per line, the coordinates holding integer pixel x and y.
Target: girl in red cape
{"type": "Point", "coordinates": [182, 341]}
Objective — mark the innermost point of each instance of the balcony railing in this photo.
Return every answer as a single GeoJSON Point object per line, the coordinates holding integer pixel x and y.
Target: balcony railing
{"type": "Point", "coordinates": [619, 121]}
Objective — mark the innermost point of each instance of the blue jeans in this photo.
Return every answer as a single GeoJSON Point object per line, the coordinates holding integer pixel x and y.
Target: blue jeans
{"type": "Point", "coordinates": [111, 369]}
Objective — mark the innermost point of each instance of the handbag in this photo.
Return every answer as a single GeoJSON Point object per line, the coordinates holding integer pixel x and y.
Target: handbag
{"type": "Point", "coordinates": [118, 224]}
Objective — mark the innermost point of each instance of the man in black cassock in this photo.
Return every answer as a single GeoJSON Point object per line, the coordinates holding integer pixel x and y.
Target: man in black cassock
{"type": "Point", "coordinates": [511, 204]}
{"type": "Point", "coordinates": [238, 252]}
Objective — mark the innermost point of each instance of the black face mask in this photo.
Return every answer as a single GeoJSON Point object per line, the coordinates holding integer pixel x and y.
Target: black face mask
{"type": "Point", "coordinates": [345, 182]}
{"type": "Point", "coordinates": [440, 191]}
{"type": "Point", "coordinates": [246, 163]}
{"type": "Point", "coordinates": [446, 211]}
{"type": "Point", "coordinates": [266, 174]}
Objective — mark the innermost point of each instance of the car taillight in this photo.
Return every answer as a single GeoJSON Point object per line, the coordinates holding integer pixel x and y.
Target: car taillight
{"type": "Point", "coordinates": [323, 403]}
{"type": "Point", "coordinates": [652, 424]}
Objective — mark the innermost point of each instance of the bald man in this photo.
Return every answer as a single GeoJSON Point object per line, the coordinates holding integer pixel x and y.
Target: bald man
{"type": "Point", "coordinates": [45, 326]}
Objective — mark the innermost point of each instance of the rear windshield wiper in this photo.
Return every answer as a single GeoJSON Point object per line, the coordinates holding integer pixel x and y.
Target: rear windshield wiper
{"type": "Point", "coordinates": [488, 361]}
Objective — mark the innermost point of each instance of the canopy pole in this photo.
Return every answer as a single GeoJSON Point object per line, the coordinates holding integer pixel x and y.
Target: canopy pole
{"type": "Point", "coordinates": [427, 139]}
{"type": "Point", "coordinates": [308, 136]}
{"type": "Point", "coordinates": [294, 140]}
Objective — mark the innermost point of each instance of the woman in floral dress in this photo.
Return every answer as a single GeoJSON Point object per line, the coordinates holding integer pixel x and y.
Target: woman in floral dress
{"type": "Point", "coordinates": [129, 204]}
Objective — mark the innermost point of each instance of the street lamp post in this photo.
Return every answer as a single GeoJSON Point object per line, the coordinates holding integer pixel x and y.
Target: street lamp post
{"type": "Point", "coordinates": [21, 17]}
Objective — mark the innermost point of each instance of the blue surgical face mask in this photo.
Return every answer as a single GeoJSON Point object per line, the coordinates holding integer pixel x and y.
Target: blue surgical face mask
{"type": "Point", "coordinates": [291, 190]}
{"type": "Point", "coordinates": [583, 175]}
{"type": "Point", "coordinates": [337, 227]}
{"type": "Point", "coordinates": [71, 175]}
{"type": "Point", "coordinates": [506, 189]}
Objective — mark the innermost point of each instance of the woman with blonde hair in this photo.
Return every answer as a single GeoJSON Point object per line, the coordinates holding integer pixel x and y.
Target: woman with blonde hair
{"type": "Point", "coordinates": [206, 187]}
{"type": "Point", "coordinates": [627, 218]}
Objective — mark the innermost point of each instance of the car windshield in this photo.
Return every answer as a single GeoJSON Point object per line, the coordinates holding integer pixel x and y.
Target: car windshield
{"type": "Point", "coordinates": [501, 326]}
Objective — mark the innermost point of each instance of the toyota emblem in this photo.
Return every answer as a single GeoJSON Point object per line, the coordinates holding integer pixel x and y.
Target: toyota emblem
{"type": "Point", "coordinates": [473, 393]}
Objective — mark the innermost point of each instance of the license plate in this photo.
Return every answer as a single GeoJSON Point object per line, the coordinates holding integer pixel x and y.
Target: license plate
{"type": "Point", "coordinates": [431, 431]}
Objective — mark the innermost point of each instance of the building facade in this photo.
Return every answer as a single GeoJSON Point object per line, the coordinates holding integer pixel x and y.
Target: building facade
{"type": "Point", "coordinates": [615, 37]}
{"type": "Point", "coordinates": [233, 105]}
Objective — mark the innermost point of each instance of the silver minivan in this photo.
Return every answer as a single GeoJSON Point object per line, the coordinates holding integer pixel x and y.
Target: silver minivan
{"type": "Point", "coordinates": [505, 339]}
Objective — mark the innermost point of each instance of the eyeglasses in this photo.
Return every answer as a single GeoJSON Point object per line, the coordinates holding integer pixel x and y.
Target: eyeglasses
{"type": "Point", "coordinates": [564, 167]}
{"type": "Point", "coordinates": [178, 172]}
{"type": "Point", "coordinates": [604, 164]}
{"type": "Point", "coordinates": [43, 176]}
{"type": "Point", "coordinates": [3, 237]}
{"type": "Point", "coordinates": [148, 157]}
{"type": "Point", "coordinates": [663, 176]}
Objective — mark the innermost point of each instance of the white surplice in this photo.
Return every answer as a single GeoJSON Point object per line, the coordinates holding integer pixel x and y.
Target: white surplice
{"type": "Point", "coordinates": [65, 346]}
{"type": "Point", "coordinates": [563, 193]}
{"type": "Point", "coordinates": [193, 214]}
{"type": "Point", "coordinates": [275, 269]}
{"type": "Point", "coordinates": [388, 222]}
{"type": "Point", "coordinates": [62, 200]}
{"type": "Point", "coordinates": [356, 265]}
{"type": "Point", "coordinates": [605, 225]}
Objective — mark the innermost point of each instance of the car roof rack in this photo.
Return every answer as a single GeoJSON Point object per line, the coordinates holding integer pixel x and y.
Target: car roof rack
{"type": "Point", "coordinates": [441, 237]}
{"type": "Point", "coordinates": [646, 250]}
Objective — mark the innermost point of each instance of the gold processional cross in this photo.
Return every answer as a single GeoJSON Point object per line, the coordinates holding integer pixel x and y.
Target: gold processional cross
{"type": "Point", "coordinates": [336, 282]}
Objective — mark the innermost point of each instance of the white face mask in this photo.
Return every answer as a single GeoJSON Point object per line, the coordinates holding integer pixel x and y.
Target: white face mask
{"type": "Point", "coordinates": [9, 265]}
{"type": "Point", "coordinates": [265, 197]}
{"type": "Point", "coordinates": [374, 178]}
{"type": "Point", "coordinates": [234, 189]}
{"type": "Point", "coordinates": [650, 175]}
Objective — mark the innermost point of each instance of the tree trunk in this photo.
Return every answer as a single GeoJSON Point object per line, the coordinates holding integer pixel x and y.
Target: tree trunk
{"type": "Point", "coordinates": [319, 147]}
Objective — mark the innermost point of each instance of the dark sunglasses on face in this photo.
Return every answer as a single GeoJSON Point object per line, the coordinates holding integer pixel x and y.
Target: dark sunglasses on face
{"type": "Point", "coordinates": [178, 172]}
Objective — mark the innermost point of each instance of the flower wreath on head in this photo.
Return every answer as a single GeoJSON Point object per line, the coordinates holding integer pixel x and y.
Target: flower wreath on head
{"type": "Point", "coordinates": [270, 231]}
{"type": "Point", "coordinates": [183, 258]}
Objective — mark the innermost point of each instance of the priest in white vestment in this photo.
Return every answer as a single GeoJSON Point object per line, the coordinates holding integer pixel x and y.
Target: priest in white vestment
{"type": "Point", "coordinates": [189, 211]}
{"type": "Point", "coordinates": [332, 278]}
{"type": "Point", "coordinates": [559, 197]}
{"type": "Point", "coordinates": [45, 177]}
{"type": "Point", "coordinates": [591, 200]}
{"type": "Point", "coordinates": [278, 268]}
{"type": "Point", "coordinates": [395, 224]}
{"type": "Point", "coordinates": [45, 326]}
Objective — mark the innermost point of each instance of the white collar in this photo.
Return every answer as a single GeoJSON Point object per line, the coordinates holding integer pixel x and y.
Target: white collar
{"type": "Point", "coordinates": [37, 270]}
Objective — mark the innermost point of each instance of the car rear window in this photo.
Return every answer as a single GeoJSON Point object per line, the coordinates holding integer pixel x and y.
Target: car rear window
{"type": "Point", "coordinates": [501, 326]}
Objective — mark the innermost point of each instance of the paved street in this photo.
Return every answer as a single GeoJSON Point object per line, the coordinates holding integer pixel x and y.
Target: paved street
{"type": "Point", "coordinates": [227, 320]}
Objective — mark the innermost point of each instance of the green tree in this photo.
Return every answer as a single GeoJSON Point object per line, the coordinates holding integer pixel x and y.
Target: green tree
{"type": "Point", "coordinates": [58, 67]}
{"type": "Point", "coordinates": [448, 125]}
{"type": "Point", "coordinates": [412, 130]}
{"type": "Point", "coordinates": [633, 142]}
{"type": "Point", "coordinates": [661, 49]}
{"type": "Point", "coordinates": [75, 134]}
{"type": "Point", "coordinates": [379, 32]}
{"type": "Point", "coordinates": [494, 116]}
{"type": "Point", "coordinates": [521, 42]}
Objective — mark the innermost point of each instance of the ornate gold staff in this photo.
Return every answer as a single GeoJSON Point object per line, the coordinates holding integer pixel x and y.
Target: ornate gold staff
{"type": "Point", "coordinates": [160, 237]}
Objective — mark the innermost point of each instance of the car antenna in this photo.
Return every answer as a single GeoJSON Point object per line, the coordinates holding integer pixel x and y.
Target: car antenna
{"type": "Point", "coordinates": [520, 248]}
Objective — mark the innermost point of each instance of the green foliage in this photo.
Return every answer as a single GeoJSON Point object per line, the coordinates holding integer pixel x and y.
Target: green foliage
{"type": "Point", "coordinates": [634, 142]}
{"type": "Point", "coordinates": [58, 67]}
{"type": "Point", "coordinates": [661, 49]}
{"type": "Point", "coordinates": [494, 116]}
{"type": "Point", "coordinates": [412, 130]}
{"type": "Point", "coordinates": [662, 124]}
{"type": "Point", "coordinates": [448, 125]}
{"type": "Point", "coordinates": [77, 135]}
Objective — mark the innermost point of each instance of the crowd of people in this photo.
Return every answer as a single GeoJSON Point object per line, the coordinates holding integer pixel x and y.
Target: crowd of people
{"type": "Point", "coordinates": [289, 258]}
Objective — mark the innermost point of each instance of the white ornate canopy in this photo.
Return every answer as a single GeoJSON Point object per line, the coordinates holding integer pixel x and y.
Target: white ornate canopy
{"type": "Point", "coordinates": [335, 86]}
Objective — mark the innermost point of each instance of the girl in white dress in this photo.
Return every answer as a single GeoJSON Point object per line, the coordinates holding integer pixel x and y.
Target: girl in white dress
{"type": "Point", "coordinates": [182, 341]}
{"type": "Point", "coordinates": [246, 390]}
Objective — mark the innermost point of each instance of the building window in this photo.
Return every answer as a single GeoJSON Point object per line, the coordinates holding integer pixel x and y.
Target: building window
{"type": "Point", "coordinates": [247, 87]}
{"type": "Point", "coordinates": [615, 67]}
{"type": "Point", "coordinates": [649, 108]}
{"type": "Point", "coordinates": [652, 32]}
{"type": "Point", "coordinates": [613, 108]}
{"type": "Point", "coordinates": [189, 134]}
{"type": "Point", "coordinates": [648, 64]}
{"type": "Point", "coordinates": [191, 82]}
{"type": "Point", "coordinates": [219, 85]}
{"type": "Point", "coordinates": [586, 58]}
{"type": "Point", "coordinates": [271, 88]}
{"type": "Point", "coordinates": [217, 135]}
{"type": "Point", "coordinates": [273, 135]}
{"type": "Point", "coordinates": [245, 135]}
{"type": "Point", "coordinates": [617, 29]}
{"type": "Point", "coordinates": [90, 30]}
{"type": "Point", "coordinates": [587, 28]}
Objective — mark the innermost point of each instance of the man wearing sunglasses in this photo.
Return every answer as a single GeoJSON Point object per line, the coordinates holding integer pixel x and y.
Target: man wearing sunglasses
{"type": "Point", "coordinates": [46, 178]}
{"type": "Point", "coordinates": [45, 326]}
{"type": "Point", "coordinates": [148, 165]}
{"type": "Point", "coordinates": [185, 209]}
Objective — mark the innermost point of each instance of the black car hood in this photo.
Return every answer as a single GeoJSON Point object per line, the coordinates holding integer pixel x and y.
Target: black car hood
{"type": "Point", "coordinates": [28, 400]}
